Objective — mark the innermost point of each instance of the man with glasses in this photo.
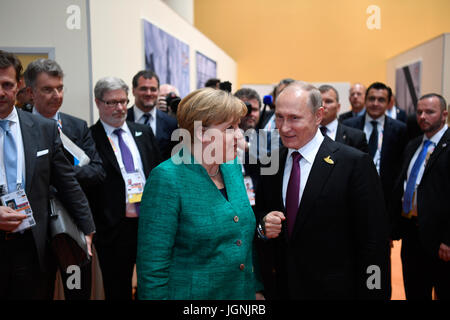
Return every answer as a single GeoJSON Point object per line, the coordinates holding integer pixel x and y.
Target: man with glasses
{"type": "Point", "coordinates": [145, 92]}
{"type": "Point", "coordinates": [129, 152]}
{"type": "Point", "coordinates": [44, 81]}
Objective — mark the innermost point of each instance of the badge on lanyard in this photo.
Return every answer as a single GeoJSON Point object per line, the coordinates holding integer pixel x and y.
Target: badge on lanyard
{"type": "Point", "coordinates": [135, 186]}
{"type": "Point", "coordinates": [18, 201]}
{"type": "Point", "coordinates": [250, 190]}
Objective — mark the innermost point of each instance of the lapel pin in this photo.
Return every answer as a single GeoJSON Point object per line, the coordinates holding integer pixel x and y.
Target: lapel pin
{"type": "Point", "coordinates": [444, 145]}
{"type": "Point", "coordinates": [138, 133]}
{"type": "Point", "coordinates": [328, 160]}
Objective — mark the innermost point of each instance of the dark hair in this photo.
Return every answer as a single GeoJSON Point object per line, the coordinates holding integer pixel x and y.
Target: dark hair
{"type": "Point", "coordinates": [146, 74]}
{"type": "Point", "coordinates": [325, 87]}
{"type": "Point", "coordinates": [441, 99]}
{"type": "Point", "coordinates": [212, 83]}
{"type": "Point", "coordinates": [380, 86]}
{"type": "Point", "coordinates": [39, 66]}
{"type": "Point", "coordinates": [8, 59]}
{"type": "Point", "coordinates": [248, 93]}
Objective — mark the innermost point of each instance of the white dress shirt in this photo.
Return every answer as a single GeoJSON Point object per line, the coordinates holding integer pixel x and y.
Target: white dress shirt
{"type": "Point", "coordinates": [368, 131]}
{"type": "Point", "coordinates": [308, 152]}
{"type": "Point", "coordinates": [139, 117]}
{"type": "Point", "coordinates": [17, 134]}
{"type": "Point", "coordinates": [331, 129]}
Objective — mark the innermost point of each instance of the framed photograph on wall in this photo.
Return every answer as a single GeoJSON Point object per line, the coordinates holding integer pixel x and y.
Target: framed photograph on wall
{"type": "Point", "coordinates": [206, 69]}
{"type": "Point", "coordinates": [168, 57]}
{"type": "Point", "coordinates": [407, 86]}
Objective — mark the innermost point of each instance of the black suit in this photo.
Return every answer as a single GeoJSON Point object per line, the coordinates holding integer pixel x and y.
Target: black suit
{"type": "Point", "coordinates": [352, 137]}
{"type": "Point", "coordinates": [116, 237]}
{"type": "Point", "coordinates": [165, 125]}
{"type": "Point", "coordinates": [340, 229]}
{"type": "Point", "coordinates": [49, 168]}
{"type": "Point", "coordinates": [422, 235]}
{"type": "Point", "coordinates": [346, 115]}
{"type": "Point", "coordinates": [394, 141]}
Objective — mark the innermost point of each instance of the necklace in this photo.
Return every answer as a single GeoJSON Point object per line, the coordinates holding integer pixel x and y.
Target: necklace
{"type": "Point", "coordinates": [214, 174]}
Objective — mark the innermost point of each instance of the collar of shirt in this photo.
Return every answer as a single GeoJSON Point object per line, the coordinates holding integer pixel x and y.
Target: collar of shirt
{"type": "Point", "coordinates": [356, 114]}
{"type": "Point", "coordinates": [12, 116]}
{"type": "Point", "coordinates": [138, 113]}
{"type": "Point", "coordinates": [380, 120]}
{"type": "Point", "coordinates": [437, 136]}
{"type": "Point", "coordinates": [309, 150]}
{"type": "Point", "coordinates": [110, 129]}
{"type": "Point", "coordinates": [332, 128]}
{"type": "Point", "coordinates": [55, 117]}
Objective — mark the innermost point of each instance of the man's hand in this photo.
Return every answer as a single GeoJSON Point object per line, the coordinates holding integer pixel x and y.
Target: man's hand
{"type": "Point", "coordinates": [272, 223]}
{"type": "Point", "coordinates": [259, 296]}
{"type": "Point", "coordinates": [10, 219]}
{"type": "Point", "coordinates": [162, 104]}
{"type": "Point", "coordinates": [89, 243]}
{"type": "Point", "coordinates": [444, 252]}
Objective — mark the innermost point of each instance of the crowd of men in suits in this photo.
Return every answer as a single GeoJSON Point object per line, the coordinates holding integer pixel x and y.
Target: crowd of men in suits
{"type": "Point", "coordinates": [345, 187]}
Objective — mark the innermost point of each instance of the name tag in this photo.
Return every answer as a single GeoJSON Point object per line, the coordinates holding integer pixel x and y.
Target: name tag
{"type": "Point", "coordinates": [135, 187]}
{"type": "Point", "coordinates": [18, 201]}
{"type": "Point", "coordinates": [250, 190]}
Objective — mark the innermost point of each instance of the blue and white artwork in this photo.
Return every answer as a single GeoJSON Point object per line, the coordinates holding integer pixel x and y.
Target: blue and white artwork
{"type": "Point", "coordinates": [206, 69]}
{"type": "Point", "coordinates": [168, 57]}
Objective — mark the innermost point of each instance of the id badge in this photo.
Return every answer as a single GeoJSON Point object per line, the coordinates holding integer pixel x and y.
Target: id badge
{"type": "Point", "coordinates": [18, 201]}
{"type": "Point", "coordinates": [135, 187]}
{"type": "Point", "coordinates": [250, 190]}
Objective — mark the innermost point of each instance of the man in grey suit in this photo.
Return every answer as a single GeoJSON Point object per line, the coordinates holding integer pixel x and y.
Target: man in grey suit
{"type": "Point", "coordinates": [40, 161]}
{"type": "Point", "coordinates": [45, 81]}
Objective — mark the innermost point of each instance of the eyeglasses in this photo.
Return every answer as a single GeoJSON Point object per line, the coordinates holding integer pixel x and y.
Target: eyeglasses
{"type": "Point", "coordinates": [115, 103]}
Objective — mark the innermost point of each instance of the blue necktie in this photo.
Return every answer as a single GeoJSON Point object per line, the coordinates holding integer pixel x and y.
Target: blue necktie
{"type": "Point", "coordinates": [9, 156]}
{"type": "Point", "coordinates": [373, 140]}
{"type": "Point", "coordinates": [411, 184]}
{"type": "Point", "coordinates": [147, 117]}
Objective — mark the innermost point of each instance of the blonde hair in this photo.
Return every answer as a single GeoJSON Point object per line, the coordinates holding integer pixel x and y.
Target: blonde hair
{"type": "Point", "coordinates": [211, 107]}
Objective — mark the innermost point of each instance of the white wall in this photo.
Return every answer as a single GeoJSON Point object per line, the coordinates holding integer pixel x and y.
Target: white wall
{"type": "Point", "coordinates": [117, 39]}
{"type": "Point", "coordinates": [36, 26]}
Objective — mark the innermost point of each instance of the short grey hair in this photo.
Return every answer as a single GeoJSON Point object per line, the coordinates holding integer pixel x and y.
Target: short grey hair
{"type": "Point", "coordinates": [248, 93]}
{"type": "Point", "coordinates": [109, 84]}
{"type": "Point", "coordinates": [314, 96]}
{"type": "Point", "coordinates": [50, 67]}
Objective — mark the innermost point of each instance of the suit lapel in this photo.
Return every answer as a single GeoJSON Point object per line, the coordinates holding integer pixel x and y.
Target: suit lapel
{"type": "Point", "coordinates": [104, 146]}
{"type": "Point", "coordinates": [30, 139]}
{"type": "Point", "coordinates": [318, 177]}
{"type": "Point", "coordinates": [340, 134]}
{"type": "Point", "coordinates": [141, 145]}
{"type": "Point", "coordinates": [442, 145]}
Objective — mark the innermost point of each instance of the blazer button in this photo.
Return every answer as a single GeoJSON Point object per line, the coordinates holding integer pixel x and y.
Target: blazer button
{"type": "Point", "coordinates": [242, 266]}
{"type": "Point", "coordinates": [239, 242]}
{"type": "Point", "coordinates": [236, 218]}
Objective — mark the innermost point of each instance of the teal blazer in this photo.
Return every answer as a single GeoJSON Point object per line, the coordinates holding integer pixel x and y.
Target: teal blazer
{"type": "Point", "coordinates": [192, 242]}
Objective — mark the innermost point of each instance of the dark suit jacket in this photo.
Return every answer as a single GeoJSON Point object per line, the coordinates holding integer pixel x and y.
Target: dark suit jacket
{"type": "Point", "coordinates": [352, 137]}
{"type": "Point", "coordinates": [432, 196]}
{"type": "Point", "coordinates": [52, 168]}
{"type": "Point", "coordinates": [345, 116]}
{"type": "Point", "coordinates": [340, 229]}
{"type": "Point", "coordinates": [108, 201]}
{"type": "Point", "coordinates": [394, 141]}
{"type": "Point", "coordinates": [165, 125]}
{"type": "Point", "coordinates": [401, 115]}
{"type": "Point", "coordinates": [77, 130]}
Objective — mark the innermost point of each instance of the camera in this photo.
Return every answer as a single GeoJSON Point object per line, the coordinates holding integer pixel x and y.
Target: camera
{"type": "Point", "coordinates": [249, 108]}
{"type": "Point", "coordinates": [172, 101]}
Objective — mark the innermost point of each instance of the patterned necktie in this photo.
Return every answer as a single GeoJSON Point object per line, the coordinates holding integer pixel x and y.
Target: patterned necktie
{"type": "Point", "coordinates": [127, 157]}
{"type": "Point", "coordinates": [292, 193]}
{"type": "Point", "coordinates": [9, 156]}
{"type": "Point", "coordinates": [411, 183]}
{"type": "Point", "coordinates": [373, 141]}
{"type": "Point", "coordinates": [147, 118]}
{"type": "Point", "coordinates": [323, 129]}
